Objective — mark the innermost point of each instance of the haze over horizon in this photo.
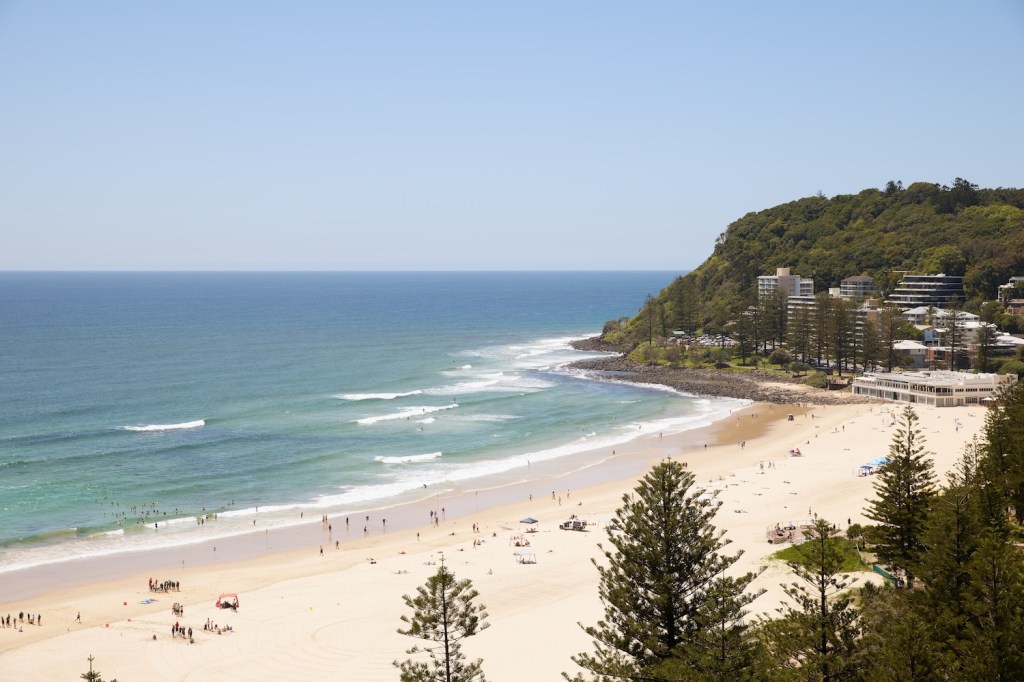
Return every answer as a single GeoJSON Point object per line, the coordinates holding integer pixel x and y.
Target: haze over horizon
{"type": "Point", "coordinates": [459, 136]}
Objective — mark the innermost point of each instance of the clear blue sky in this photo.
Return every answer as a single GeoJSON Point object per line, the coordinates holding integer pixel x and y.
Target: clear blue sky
{"type": "Point", "coordinates": [477, 135]}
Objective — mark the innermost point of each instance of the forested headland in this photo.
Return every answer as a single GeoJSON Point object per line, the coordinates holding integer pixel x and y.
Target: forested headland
{"type": "Point", "coordinates": [923, 228]}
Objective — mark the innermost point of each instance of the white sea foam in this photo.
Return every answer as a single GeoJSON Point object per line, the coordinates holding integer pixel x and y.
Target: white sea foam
{"type": "Point", "coordinates": [409, 459]}
{"type": "Point", "coordinates": [465, 387]}
{"type": "Point", "coordinates": [108, 533]}
{"type": "Point", "coordinates": [488, 417]}
{"type": "Point", "coordinates": [167, 427]}
{"type": "Point", "coordinates": [377, 396]}
{"type": "Point", "coordinates": [499, 382]}
{"type": "Point", "coordinates": [428, 420]}
{"type": "Point", "coordinates": [364, 495]}
{"type": "Point", "coordinates": [118, 542]}
{"type": "Point", "coordinates": [168, 523]}
{"type": "Point", "coordinates": [407, 413]}
{"type": "Point", "coordinates": [660, 388]}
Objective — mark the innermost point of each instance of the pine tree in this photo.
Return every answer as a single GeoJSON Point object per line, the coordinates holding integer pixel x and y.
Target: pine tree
{"type": "Point", "coordinates": [955, 321]}
{"type": "Point", "coordinates": [444, 613]}
{"type": "Point", "coordinates": [905, 486]}
{"type": "Point", "coordinates": [842, 330]}
{"type": "Point", "coordinates": [890, 321]}
{"type": "Point", "coordinates": [950, 541]}
{"type": "Point", "coordinates": [721, 647]}
{"type": "Point", "coordinates": [921, 634]}
{"type": "Point", "coordinates": [1004, 450]}
{"type": "Point", "coordinates": [663, 588]}
{"type": "Point", "coordinates": [800, 332]}
{"type": "Point", "coordinates": [870, 345]}
{"type": "Point", "coordinates": [822, 313]}
{"type": "Point", "coordinates": [93, 675]}
{"type": "Point", "coordinates": [684, 298]}
{"type": "Point", "coordinates": [993, 648]}
{"type": "Point", "coordinates": [899, 642]}
{"type": "Point", "coordinates": [817, 638]}
{"type": "Point", "coordinates": [983, 350]}
{"type": "Point", "coordinates": [743, 334]}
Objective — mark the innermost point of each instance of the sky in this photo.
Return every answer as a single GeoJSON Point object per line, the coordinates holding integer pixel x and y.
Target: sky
{"type": "Point", "coordinates": [528, 135]}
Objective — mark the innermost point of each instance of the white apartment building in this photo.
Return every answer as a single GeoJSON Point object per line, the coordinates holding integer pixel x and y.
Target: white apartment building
{"type": "Point", "coordinates": [919, 315]}
{"type": "Point", "coordinates": [793, 285]}
{"type": "Point", "coordinates": [938, 388]}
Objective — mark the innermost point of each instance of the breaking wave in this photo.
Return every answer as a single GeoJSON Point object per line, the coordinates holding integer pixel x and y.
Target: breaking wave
{"type": "Point", "coordinates": [167, 427]}
{"type": "Point", "coordinates": [408, 413]}
{"type": "Point", "coordinates": [409, 459]}
{"type": "Point", "coordinates": [377, 396]}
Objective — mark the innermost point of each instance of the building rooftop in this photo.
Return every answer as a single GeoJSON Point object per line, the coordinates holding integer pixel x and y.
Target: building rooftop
{"type": "Point", "coordinates": [937, 377]}
{"type": "Point", "coordinates": [1009, 340]}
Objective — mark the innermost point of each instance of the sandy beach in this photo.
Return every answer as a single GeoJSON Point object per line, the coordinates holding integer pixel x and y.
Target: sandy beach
{"type": "Point", "coordinates": [312, 615]}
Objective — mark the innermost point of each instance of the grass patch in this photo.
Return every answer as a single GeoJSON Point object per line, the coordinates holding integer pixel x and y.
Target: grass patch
{"type": "Point", "coordinates": [852, 561]}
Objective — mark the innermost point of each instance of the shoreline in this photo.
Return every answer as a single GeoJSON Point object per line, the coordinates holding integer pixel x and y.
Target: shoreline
{"type": "Point", "coordinates": [590, 466]}
{"type": "Point", "coordinates": [311, 616]}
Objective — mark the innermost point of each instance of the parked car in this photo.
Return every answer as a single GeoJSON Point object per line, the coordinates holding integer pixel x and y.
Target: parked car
{"type": "Point", "coordinates": [573, 524]}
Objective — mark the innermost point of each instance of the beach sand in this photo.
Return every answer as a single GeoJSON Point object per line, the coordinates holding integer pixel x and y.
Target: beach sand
{"type": "Point", "coordinates": [304, 616]}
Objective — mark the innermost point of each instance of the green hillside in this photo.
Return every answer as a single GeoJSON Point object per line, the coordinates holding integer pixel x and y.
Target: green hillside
{"type": "Point", "coordinates": [924, 228]}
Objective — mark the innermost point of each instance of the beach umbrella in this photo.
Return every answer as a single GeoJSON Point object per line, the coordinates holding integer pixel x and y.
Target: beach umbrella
{"type": "Point", "coordinates": [529, 519]}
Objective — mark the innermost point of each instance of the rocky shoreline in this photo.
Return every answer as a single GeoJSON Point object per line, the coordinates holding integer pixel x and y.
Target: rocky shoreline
{"type": "Point", "coordinates": [757, 386]}
{"type": "Point", "coordinates": [596, 343]}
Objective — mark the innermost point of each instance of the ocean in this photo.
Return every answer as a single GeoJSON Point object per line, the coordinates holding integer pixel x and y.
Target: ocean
{"type": "Point", "coordinates": [129, 400]}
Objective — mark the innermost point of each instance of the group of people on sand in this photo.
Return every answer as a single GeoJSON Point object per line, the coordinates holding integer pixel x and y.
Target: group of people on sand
{"type": "Point", "coordinates": [178, 630]}
{"type": "Point", "coordinates": [164, 586]}
{"type": "Point", "coordinates": [185, 633]}
{"type": "Point", "coordinates": [19, 621]}
{"type": "Point", "coordinates": [781, 533]}
{"type": "Point", "coordinates": [210, 626]}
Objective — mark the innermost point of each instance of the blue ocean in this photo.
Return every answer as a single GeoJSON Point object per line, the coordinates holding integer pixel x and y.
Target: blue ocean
{"type": "Point", "coordinates": [130, 399]}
